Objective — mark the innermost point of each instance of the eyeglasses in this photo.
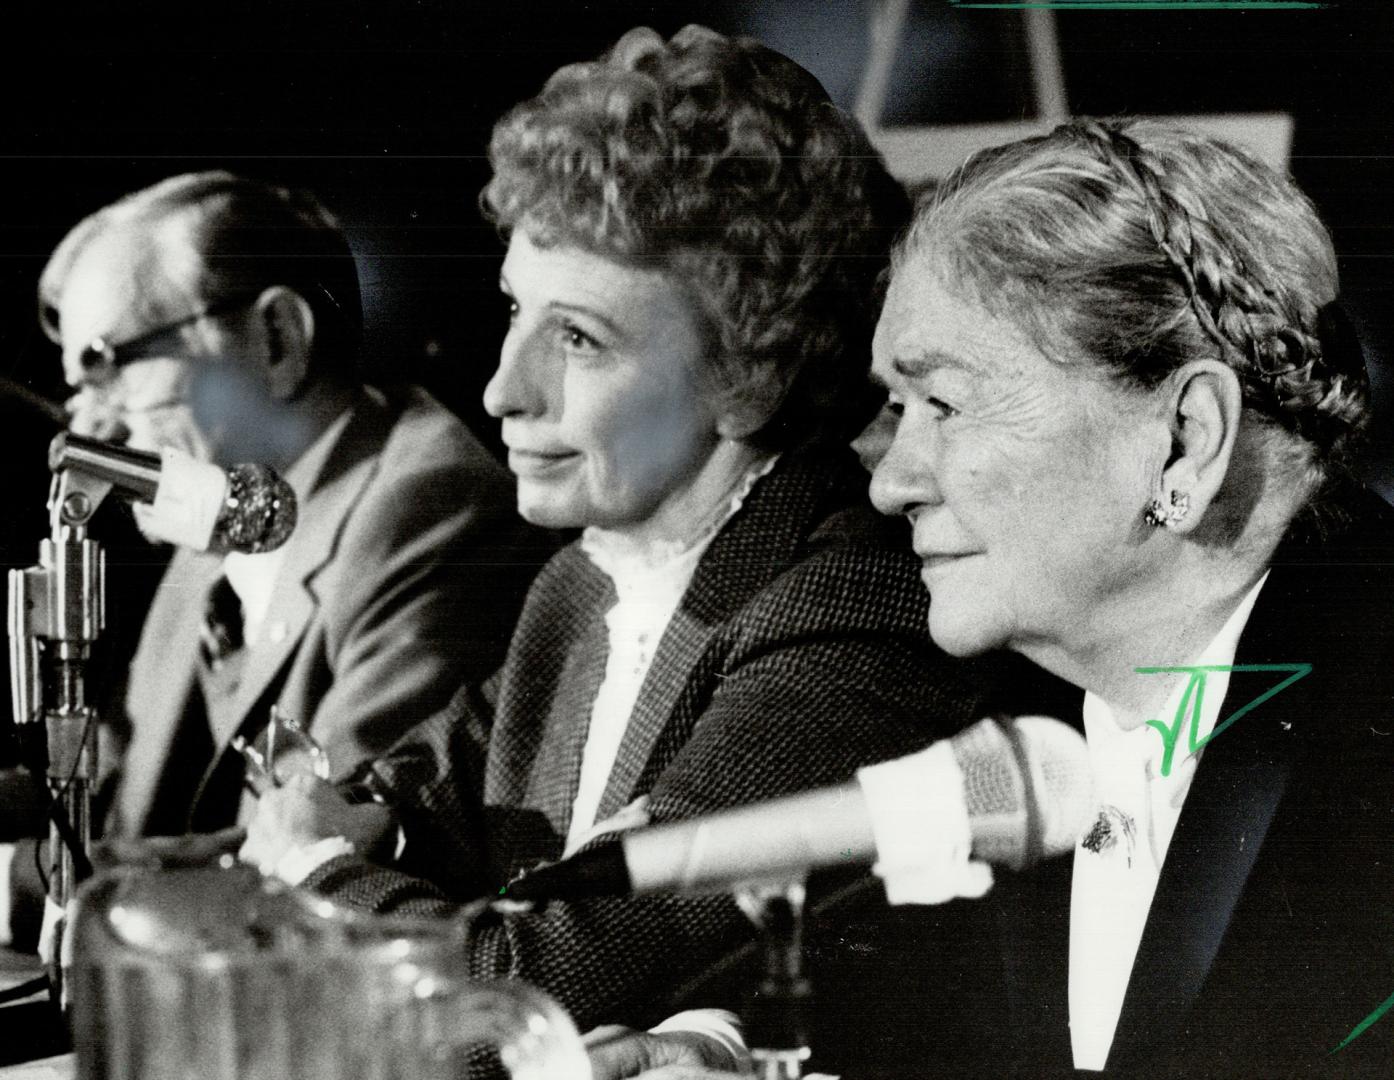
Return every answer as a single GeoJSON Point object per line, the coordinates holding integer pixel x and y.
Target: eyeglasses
{"type": "Point", "coordinates": [100, 351]}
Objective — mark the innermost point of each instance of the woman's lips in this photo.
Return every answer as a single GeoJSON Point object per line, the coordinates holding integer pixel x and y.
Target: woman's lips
{"type": "Point", "coordinates": [929, 563]}
{"type": "Point", "coordinates": [537, 462]}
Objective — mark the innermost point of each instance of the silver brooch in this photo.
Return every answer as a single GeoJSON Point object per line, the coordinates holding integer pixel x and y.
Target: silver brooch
{"type": "Point", "coordinates": [1104, 834]}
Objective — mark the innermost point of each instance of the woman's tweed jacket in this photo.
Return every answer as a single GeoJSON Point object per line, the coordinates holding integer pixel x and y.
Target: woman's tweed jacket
{"type": "Point", "coordinates": [798, 653]}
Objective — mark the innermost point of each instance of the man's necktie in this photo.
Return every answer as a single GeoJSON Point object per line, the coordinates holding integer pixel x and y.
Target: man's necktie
{"type": "Point", "coordinates": [221, 633]}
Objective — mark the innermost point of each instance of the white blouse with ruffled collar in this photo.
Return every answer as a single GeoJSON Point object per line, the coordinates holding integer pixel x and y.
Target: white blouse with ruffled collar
{"type": "Point", "coordinates": [650, 579]}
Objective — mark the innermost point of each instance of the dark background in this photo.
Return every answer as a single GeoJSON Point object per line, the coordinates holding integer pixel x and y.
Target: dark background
{"type": "Point", "coordinates": [384, 110]}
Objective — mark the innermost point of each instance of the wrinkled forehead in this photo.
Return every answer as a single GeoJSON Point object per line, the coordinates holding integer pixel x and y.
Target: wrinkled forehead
{"type": "Point", "coordinates": [919, 311]}
{"type": "Point", "coordinates": [930, 321]}
{"type": "Point", "coordinates": [124, 280]}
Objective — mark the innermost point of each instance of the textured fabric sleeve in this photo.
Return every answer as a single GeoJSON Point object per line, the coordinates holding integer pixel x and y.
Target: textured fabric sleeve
{"type": "Point", "coordinates": [829, 671]}
{"type": "Point", "coordinates": [826, 669]}
{"type": "Point", "coordinates": [353, 880]}
{"type": "Point", "coordinates": [432, 780]}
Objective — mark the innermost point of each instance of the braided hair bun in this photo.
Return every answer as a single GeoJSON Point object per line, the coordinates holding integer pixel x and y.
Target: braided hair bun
{"type": "Point", "coordinates": [1141, 246]}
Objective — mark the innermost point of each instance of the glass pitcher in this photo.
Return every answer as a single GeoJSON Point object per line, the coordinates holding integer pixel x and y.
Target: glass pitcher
{"type": "Point", "coordinates": [213, 973]}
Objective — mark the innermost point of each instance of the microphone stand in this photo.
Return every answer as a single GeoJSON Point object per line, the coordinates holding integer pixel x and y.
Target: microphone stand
{"type": "Point", "coordinates": [56, 613]}
{"type": "Point", "coordinates": [778, 1012]}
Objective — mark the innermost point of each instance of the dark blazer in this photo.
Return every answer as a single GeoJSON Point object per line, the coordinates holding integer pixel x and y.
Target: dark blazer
{"type": "Point", "coordinates": [403, 577]}
{"type": "Point", "coordinates": [799, 652]}
{"type": "Point", "coordinates": [1271, 935]}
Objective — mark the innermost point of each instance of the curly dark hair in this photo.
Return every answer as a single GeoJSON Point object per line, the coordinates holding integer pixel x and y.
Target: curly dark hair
{"type": "Point", "coordinates": [1141, 246]}
{"type": "Point", "coordinates": [725, 164]}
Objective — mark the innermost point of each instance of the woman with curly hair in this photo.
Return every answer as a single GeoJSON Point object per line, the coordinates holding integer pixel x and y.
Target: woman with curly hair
{"type": "Point", "coordinates": [694, 237]}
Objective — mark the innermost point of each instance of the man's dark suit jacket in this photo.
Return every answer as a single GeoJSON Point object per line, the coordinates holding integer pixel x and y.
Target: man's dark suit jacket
{"type": "Point", "coordinates": [799, 652]}
{"type": "Point", "coordinates": [1271, 935]}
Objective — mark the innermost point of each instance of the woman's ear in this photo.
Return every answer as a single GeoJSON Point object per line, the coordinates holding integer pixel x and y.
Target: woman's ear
{"type": "Point", "coordinates": [738, 424]}
{"type": "Point", "coordinates": [1204, 405]}
{"type": "Point", "coordinates": [288, 323]}
{"type": "Point", "coordinates": [744, 409]}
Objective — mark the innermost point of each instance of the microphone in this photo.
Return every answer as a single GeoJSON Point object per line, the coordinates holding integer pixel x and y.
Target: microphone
{"type": "Point", "coordinates": [1026, 784]}
{"type": "Point", "coordinates": [192, 503]}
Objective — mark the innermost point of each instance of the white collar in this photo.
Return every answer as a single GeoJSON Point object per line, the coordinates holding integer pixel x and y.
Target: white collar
{"type": "Point", "coordinates": [620, 556]}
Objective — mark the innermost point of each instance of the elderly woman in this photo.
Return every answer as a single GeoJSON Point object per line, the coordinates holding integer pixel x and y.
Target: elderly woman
{"type": "Point", "coordinates": [694, 233]}
{"type": "Point", "coordinates": [1125, 403]}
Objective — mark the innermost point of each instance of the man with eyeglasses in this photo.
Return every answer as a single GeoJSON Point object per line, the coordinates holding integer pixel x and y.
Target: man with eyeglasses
{"type": "Point", "coordinates": [220, 315]}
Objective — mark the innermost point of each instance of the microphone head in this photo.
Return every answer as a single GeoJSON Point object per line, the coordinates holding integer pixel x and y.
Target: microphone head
{"type": "Point", "coordinates": [1028, 787]}
{"type": "Point", "coordinates": [259, 512]}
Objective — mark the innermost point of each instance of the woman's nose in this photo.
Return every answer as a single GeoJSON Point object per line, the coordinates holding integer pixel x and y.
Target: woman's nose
{"type": "Point", "coordinates": [514, 388]}
{"type": "Point", "coordinates": [904, 477]}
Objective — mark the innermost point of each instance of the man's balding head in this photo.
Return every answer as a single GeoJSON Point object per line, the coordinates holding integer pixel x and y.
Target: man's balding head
{"type": "Point", "coordinates": [210, 312]}
{"type": "Point", "coordinates": [209, 236]}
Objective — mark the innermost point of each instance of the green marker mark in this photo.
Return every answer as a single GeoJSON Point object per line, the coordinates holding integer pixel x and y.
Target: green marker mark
{"type": "Point", "coordinates": [1191, 700]}
{"type": "Point", "coordinates": [1194, 697]}
{"type": "Point", "coordinates": [1361, 1027]}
